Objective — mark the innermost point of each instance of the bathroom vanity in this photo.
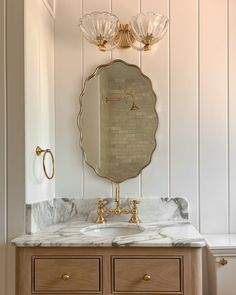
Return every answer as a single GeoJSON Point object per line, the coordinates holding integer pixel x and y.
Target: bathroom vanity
{"type": "Point", "coordinates": [109, 271]}
{"type": "Point", "coordinates": [83, 258]}
{"type": "Point", "coordinates": [112, 247]}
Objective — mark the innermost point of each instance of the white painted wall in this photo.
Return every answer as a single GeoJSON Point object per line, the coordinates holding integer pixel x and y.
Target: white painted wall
{"type": "Point", "coordinates": [193, 71]}
{"type": "Point", "coordinates": [39, 97]}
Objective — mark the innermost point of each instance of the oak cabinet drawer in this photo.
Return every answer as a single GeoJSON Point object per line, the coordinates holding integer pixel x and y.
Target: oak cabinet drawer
{"type": "Point", "coordinates": [153, 274]}
{"type": "Point", "coordinates": [62, 275]}
{"type": "Point", "coordinates": [109, 271]}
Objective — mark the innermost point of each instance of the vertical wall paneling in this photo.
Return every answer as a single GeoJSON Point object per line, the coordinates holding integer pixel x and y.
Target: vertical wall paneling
{"type": "Point", "coordinates": [94, 186]}
{"type": "Point", "coordinates": [125, 10]}
{"type": "Point", "coordinates": [189, 70]}
{"type": "Point", "coordinates": [15, 132]}
{"type": "Point", "coordinates": [39, 97]}
{"type": "Point", "coordinates": [232, 117]}
{"type": "Point", "coordinates": [184, 102]}
{"type": "Point", "coordinates": [46, 86]}
{"type": "Point", "coordinates": [213, 116]}
{"type": "Point", "coordinates": [32, 94]}
{"type": "Point", "coordinates": [155, 64]}
{"type": "Point", "coordinates": [3, 201]}
{"type": "Point", "coordinates": [68, 85]}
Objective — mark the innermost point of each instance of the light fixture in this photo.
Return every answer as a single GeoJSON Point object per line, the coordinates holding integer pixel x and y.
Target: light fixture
{"type": "Point", "coordinates": [104, 30]}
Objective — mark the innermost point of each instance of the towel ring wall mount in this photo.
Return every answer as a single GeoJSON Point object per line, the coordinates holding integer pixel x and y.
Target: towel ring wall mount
{"type": "Point", "coordinates": [40, 151]}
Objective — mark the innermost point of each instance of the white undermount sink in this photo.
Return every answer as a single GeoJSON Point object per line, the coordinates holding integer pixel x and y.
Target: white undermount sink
{"type": "Point", "coordinates": [112, 230]}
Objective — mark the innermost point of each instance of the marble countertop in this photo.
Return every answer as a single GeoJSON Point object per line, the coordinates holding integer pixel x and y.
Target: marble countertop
{"type": "Point", "coordinates": [221, 241]}
{"type": "Point", "coordinates": [155, 234]}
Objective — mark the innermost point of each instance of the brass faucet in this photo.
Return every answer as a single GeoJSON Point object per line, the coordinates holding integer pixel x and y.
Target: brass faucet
{"type": "Point", "coordinates": [117, 210]}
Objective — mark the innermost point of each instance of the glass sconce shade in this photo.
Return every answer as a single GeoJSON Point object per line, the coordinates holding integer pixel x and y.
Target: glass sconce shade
{"type": "Point", "coordinates": [104, 30]}
{"type": "Point", "coordinates": [100, 28]}
{"type": "Point", "coordinates": [148, 28]}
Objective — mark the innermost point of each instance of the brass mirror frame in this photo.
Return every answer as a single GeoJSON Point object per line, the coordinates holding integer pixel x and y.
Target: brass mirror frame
{"type": "Point", "coordinates": [81, 112]}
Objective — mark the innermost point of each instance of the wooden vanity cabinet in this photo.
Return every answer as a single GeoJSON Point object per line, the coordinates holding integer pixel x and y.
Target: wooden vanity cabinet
{"type": "Point", "coordinates": [127, 271]}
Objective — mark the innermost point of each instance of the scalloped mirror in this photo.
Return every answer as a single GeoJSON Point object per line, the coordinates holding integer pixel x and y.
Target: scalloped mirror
{"type": "Point", "coordinates": [118, 121]}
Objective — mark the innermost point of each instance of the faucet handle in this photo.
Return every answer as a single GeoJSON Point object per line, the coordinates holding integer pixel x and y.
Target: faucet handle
{"type": "Point", "coordinates": [101, 203]}
{"type": "Point", "coordinates": [134, 211]}
{"type": "Point", "coordinates": [101, 211]}
{"type": "Point", "coordinates": [134, 203]}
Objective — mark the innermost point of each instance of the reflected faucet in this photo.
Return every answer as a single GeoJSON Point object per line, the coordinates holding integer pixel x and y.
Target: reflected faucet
{"type": "Point", "coordinates": [134, 106]}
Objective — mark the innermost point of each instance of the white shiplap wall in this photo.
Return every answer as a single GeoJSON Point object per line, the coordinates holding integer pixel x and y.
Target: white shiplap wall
{"type": "Point", "coordinates": [193, 71]}
{"type": "Point", "coordinates": [39, 96]}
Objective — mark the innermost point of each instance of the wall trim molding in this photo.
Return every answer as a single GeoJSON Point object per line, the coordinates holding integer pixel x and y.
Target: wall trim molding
{"type": "Point", "coordinates": [3, 171]}
{"type": "Point", "coordinates": [15, 120]}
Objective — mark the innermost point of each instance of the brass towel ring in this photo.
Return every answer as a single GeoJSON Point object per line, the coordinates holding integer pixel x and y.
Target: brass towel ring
{"type": "Point", "coordinates": [39, 151]}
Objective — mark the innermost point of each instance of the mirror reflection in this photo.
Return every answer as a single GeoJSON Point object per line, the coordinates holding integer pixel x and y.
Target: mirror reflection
{"type": "Point", "coordinates": [118, 121]}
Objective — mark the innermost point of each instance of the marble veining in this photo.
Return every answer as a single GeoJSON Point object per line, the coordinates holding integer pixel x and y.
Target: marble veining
{"type": "Point", "coordinates": [158, 234]}
{"type": "Point", "coordinates": [43, 214]}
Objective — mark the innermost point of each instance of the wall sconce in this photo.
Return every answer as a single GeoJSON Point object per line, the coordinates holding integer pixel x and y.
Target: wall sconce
{"type": "Point", "coordinates": [104, 30]}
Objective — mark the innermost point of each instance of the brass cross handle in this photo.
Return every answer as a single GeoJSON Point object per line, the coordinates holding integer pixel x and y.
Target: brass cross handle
{"type": "Point", "coordinates": [135, 203]}
{"type": "Point", "coordinates": [101, 204]}
{"type": "Point", "coordinates": [134, 211]}
{"type": "Point", "coordinates": [100, 212]}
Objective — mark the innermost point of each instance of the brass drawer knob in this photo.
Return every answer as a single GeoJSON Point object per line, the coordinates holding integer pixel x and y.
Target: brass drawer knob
{"type": "Point", "coordinates": [65, 277]}
{"type": "Point", "coordinates": [223, 261]}
{"type": "Point", "coordinates": [146, 277]}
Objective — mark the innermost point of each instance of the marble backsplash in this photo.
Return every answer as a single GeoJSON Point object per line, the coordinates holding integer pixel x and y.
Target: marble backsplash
{"type": "Point", "coordinates": [43, 214]}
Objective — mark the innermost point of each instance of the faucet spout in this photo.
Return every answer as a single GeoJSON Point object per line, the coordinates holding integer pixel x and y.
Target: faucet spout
{"type": "Point", "coordinates": [117, 194]}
